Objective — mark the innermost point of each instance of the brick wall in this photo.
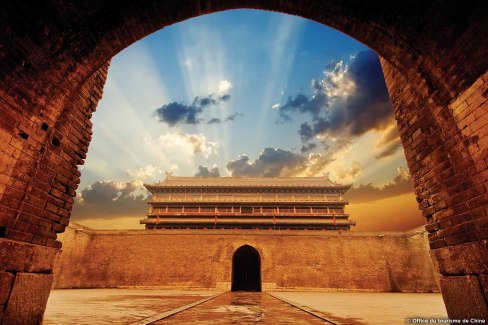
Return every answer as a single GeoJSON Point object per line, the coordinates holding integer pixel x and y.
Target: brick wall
{"type": "Point", "coordinates": [290, 260]}
{"type": "Point", "coordinates": [39, 162]}
{"type": "Point", "coordinates": [53, 64]}
{"type": "Point", "coordinates": [447, 154]}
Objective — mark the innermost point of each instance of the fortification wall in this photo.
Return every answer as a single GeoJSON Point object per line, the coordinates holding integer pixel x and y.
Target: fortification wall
{"type": "Point", "coordinates": [290, 260]}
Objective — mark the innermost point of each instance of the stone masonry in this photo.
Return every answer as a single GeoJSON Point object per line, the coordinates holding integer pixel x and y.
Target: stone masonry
{"type": "Point", "coordinates": [53, 62]}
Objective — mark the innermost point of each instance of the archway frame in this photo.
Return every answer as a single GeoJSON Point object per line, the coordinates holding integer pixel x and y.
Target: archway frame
{"type": "Point", "coordinates": [54, 64]}
{"type": "Point", "coordinates": [246, 249]}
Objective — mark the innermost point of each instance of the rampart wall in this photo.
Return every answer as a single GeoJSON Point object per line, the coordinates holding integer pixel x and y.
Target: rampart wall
{"type": "Point", "coordinates": [202, 259]}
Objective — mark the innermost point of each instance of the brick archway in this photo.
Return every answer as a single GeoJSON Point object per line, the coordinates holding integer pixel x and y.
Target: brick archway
{"type": "Point", "coordinates": [53, 62]}
{"type": "Point", "coordinates": [246, 269]}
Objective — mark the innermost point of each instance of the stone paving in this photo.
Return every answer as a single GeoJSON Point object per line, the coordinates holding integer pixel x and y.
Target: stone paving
{"type": "Point", "coordinates": [243, 308]}
{"type": "Point", "coordinates": [375, 308]}
{"type": "Point", "coordinates": [129, 306]}
{"type": "Point", "coordinates": [113, 306]}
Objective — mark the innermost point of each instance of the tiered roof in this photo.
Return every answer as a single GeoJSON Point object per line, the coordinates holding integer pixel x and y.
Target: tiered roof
{"type": "Point", "coordinates": [257, 182]}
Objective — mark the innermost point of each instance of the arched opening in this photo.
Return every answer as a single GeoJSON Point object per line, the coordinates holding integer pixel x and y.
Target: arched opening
{"type": "Point", "coordinates": [246, 269]}
{"type": "Point", "coordinates": [52, 79]}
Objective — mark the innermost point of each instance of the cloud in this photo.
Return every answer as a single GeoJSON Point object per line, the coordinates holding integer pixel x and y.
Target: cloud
{"type": "Point", "coordinates": [204, 171]}
{"type": "Point", "coordinates": [144, 172]}
{"type": "Point", "coordinates": [390, 149]}
{"type": "Point", "coordinates": [178, 113]}
{"type": "Point", "coordinates": [302, 104]}
{"type": "Point", "coordinates": [188, 144]}
{"type": "Point", "coordinates": [335, 85]}
{"type": "Point", "coordinates": [224, 87]}
{"type": "Point", "coordinates": [308, 147]}
{"type": "Point", "coordinates": [389, 142]}
{"type": "Point", "coordinates": [233, 117]}
{"type": "Point", "coordinates": [229, 118]}
{"type": "Point", "coordinates": [214, 121]}
{"type": "Point", "coordinates": [110, 199]}
{"type": "Point", "coordinates": [401, 184]}
{"type": "Point", "coordinates": [348, 173]}
{"type": "Point", "coordinates": [275, 162]}
{"type": "Point", "coordinates": [317, 163]}
{"type": "Point", "coordinates": [348, 101]}
{"type": "Point", "coordinates": [352, 110]}
{"type": "Point", "coordinates": [151, 172]}
{"type": "Point", "coordinates": [270, 163]}
{"type": "Point", "coordinates": [202, 102]}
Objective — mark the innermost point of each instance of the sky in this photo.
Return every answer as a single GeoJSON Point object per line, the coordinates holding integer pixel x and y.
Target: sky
{"type": "Point", "coordinates": [246, 93]}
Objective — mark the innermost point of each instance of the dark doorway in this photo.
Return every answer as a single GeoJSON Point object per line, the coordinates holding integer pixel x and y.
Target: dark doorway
{"type": "Point", "coordinates": [246, 269]}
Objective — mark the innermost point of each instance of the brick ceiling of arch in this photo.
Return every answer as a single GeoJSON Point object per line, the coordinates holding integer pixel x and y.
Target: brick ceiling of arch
{"type": "Point", "coordinates": [420, 39]}
{"type": "Point", "coordinates": [53, 65]}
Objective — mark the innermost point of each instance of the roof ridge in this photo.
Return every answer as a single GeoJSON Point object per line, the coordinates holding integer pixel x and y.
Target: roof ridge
{"type": "Point", "coordinates": [185, 181]}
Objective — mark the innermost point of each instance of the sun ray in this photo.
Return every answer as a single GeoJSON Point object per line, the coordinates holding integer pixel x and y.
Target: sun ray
{"type": "Point", "coordinates": [281, 52]}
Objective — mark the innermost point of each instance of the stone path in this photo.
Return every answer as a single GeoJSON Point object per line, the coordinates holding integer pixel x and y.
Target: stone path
{"type": "Point", "coordinates": [243, 308]}
{"type": "Point", "coordinates": [137, 306]}
{"type": "Point", "coordinates": [114, 306]}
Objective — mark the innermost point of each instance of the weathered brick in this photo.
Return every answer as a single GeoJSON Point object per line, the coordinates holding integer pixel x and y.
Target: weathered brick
{"type": "Point", "coordinates": [6, 281]}
{"type": "Point", "coordinates": [58, 78]}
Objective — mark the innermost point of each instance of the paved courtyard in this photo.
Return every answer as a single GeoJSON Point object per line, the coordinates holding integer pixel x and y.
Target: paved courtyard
{"type": "Point", "coordinates": [134, 306]}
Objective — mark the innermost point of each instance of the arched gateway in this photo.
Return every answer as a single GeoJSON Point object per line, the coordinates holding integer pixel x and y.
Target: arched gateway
{"type": "Point", "coordinates": [246, 269]}
{"type": "Point", "coordinates": [54, 57]}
